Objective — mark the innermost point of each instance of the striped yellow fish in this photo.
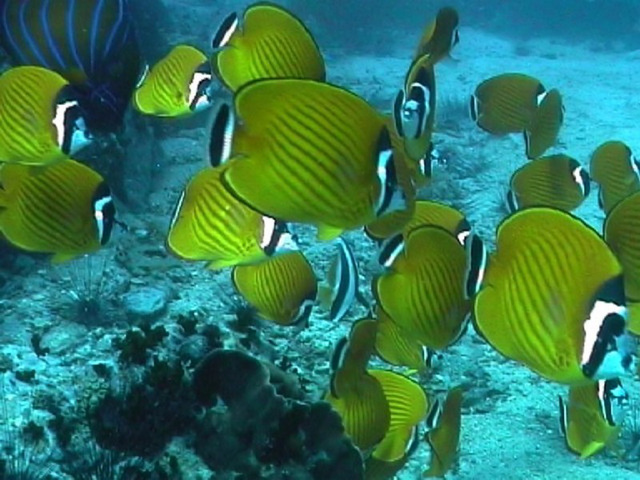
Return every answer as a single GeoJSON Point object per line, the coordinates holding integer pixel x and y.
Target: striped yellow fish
{"type": "Point", "coordinates": [271, 43]}
{"type": "Point", "coordinates": [506, 103]}
{"type": "Point", "coordinates": [414, 109]}
{"type": "Point", "coordinates": [553, 298]}
{"type": "Point", "coordinates": [591, 419]}
{"type": "Point", "coordinates": [408, 405]}
{"type": "Point", "coordinates": [323, 153]}
{"type": "Point", "coordinates": [633, 321]}
{"type": "Point", "coordinates": [355, 394]}
{"type": "Point", "coordinates": [440, 36]}
{"type": "Point", "coordinates": [433, 213]}
{"type": "Point", "coordinates": [545, 125]}
{"type": "Point", "coordinates": [424, 289]}
{"type": "Point", "coordinates": [444, 434]}
{"type": "Point", "coordinates": [64, 209]}
{"type": "Point", "coordinates": [40, 120]}
{"type": "Point", "coordinates": [210, 225]}
{"type": "Point", "coordinates": [375, 469]}
{"type": "Point", "coordinates": [282, 289]}
{"type": "Point", "coordinates": [178, 85]}
{"type": "Point", "coordinates": [557, 181]}
{"type": "Point", "coordinates": [399, 347]}
{"type": "Point", "coordinates": [428, 212]}
{"type": "Point", "coordinates": [621, 230]}
{"type": "Point", "coordinates": [615, 169]}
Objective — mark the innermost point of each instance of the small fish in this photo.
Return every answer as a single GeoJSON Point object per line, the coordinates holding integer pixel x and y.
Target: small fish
{"type": "Point", "coordinates": [443, 435]}
{"type": "Point", "coordinates": [591, 419]}
{"type": "Point", "coordinates": [65, 209]}
{"type": "Point", "coordinates": [440, 36]}
{"type": "Point", "coordinates": [271, 42]}
{"type": "Point", "coordinates": [414, 109]}
{"type": "Point", "coordinates": [351, 355]}
{"type": "Point", "coordinates": [178, 85]}
{"type": "Point", "coordinates": [42, 121]}
{"type": "Point", "coordinates": [91, 43]}
{"type": "Point", "coordinates": [615, 169]}
{"type": "Point", "coordinates": [545, 125]}
{"type": "Point", "coordinates": [408, 405]}
{"type": "Point", "coordinates": [423, 290]}
{"type": "Point", "coordinates": [397, 347]}
{"type": "Point", "coordinates": [342, 282]}
{"type": "Point", "coordinates": [335, 171]}
{"type": "Point", "coordinates": [441, 215]}
{"type": "Point", "coordinates": [553, 298]}
{"type": "Point", "coordinates": [355, 394]}
{"type": "Point", "coordinates": [557, 181]}
{"type": "Point", "coordinates": [506, 103]}
{"type": "Point", "coordinates": [210, 225]}
{"type": "Point", "coordinates": [621, 229]}
{"type": "Point", "coordinates": [282, 289]}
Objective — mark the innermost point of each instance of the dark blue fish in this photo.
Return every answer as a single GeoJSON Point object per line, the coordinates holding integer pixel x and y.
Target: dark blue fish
{"type": "Point", "coordinates": [91, 43]}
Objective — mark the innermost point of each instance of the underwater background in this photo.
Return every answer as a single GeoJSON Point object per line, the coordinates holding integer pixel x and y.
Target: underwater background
{"type": "Point", "coordinates": [101, 357]}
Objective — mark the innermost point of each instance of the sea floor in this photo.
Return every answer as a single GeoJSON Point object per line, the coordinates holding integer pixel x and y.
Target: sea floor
{"type": "Point", "coordinates": [510, 416]}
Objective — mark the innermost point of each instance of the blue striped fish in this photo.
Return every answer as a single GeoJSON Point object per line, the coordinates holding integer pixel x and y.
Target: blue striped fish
{"type": "Point", "coordinates": [91, 43]}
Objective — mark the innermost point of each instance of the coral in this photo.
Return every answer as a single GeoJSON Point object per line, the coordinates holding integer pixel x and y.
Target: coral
{"type": "Point", "coordinates": [6, 363]}
{"type": "Point", "coordinates": [214, 336]}
{"type": "Point", "coordinates": [38, 349]}
{"type": "Point", "coordinates": [26, 376]}
{"type": "Point", "coordinates": [136, 343]}
{"type": "Point", "coordinates": [63, 428]}
{"type": "Point", "coordinates": [263, 434]}
{"type": "Point", "coordinates": [141, 418]}
{"type": "Point", "coordinates": [188, 323]}
{"type": "Point", "coordinates": [247, 324]}
{"type": "Point", "coordinates": [34, 433]}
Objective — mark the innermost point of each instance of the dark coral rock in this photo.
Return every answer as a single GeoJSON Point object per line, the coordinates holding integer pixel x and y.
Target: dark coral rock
{"type": "Point", "coordinates": [142, 418]}
{"type": "Point", "coordinates": [262, 429]}
{"type": "Point", "coordinates": [231, 375]}
{"type": "Point", "coordinates": [135, 345]}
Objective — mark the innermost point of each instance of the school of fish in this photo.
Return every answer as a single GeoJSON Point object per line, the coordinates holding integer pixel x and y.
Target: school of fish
{"type": "Point", "coordinates": [287, 148]}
